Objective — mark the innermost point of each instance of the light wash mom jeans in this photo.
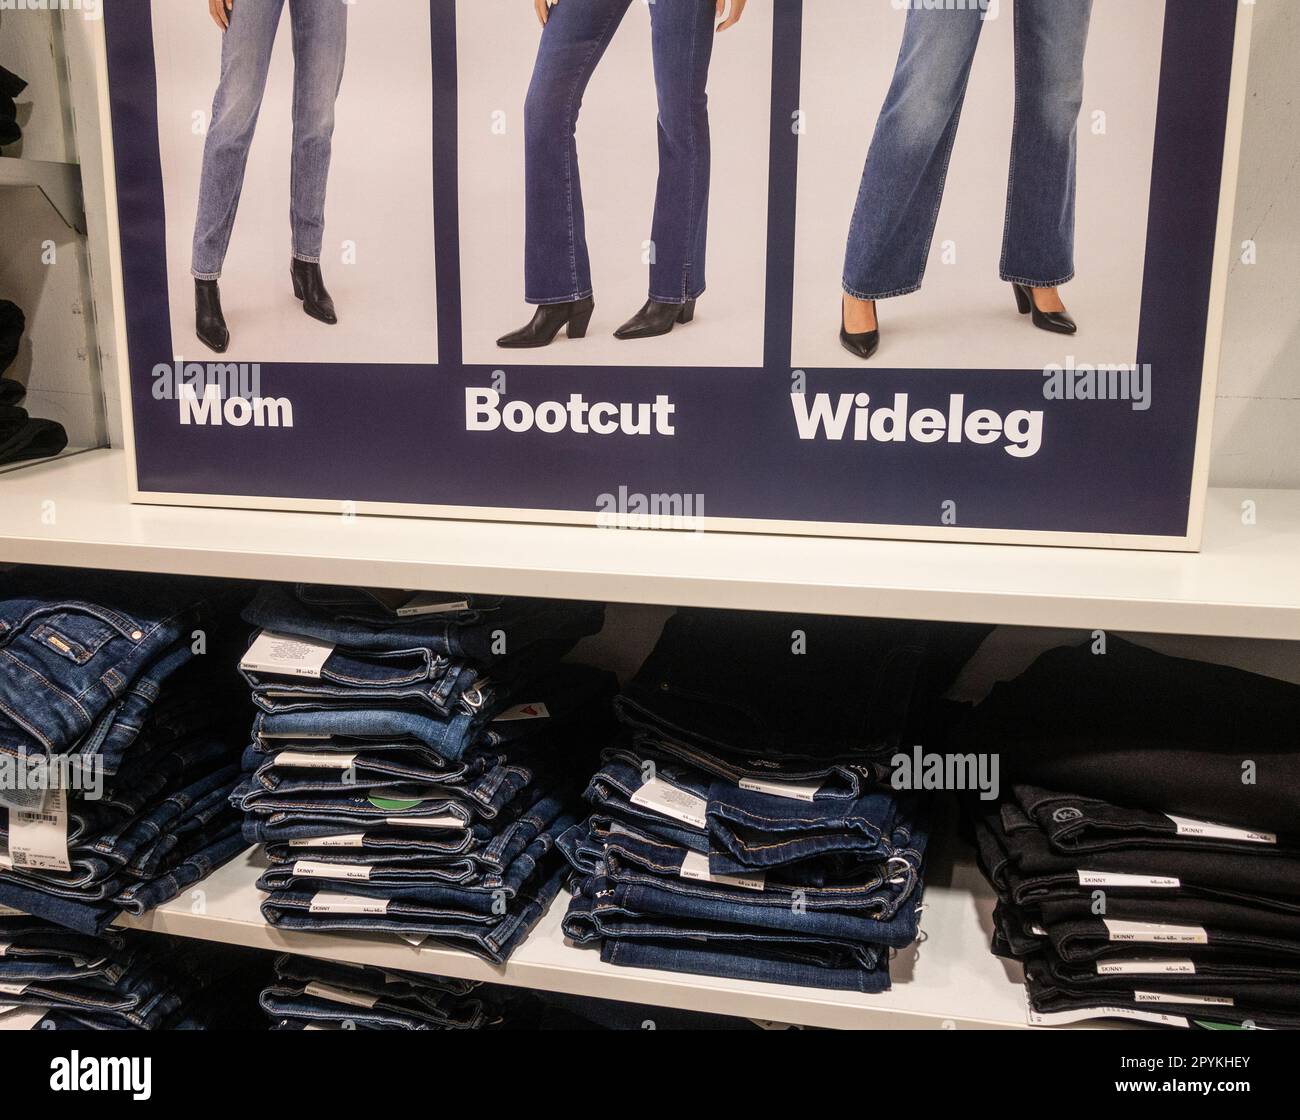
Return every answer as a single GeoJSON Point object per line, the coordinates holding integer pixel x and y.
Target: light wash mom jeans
{"type": "Point", "coordinates": [902, 186]}
{"type": "Point", "coordinates": [320, 30]}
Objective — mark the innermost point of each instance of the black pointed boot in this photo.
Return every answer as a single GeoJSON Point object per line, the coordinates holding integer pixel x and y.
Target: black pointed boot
{"type": "Point", "coordinates": [309, 286]}
{"type": "Point", "coordinates": [546, 323]}
{"type": "Point", "coordinates": [209, 322]}
{"type": "Point", "coordinates": [655, 319]}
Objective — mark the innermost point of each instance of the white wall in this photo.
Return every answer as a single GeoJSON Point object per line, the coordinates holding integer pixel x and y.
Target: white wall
{"type": "Point", "coordinates": [1257, 418]}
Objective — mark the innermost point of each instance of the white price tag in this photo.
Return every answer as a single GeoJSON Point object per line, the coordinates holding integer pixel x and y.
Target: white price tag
{"type": "Point", "coordinates": [326, 903]}
{"type": "Point", "coordinates": [38, 839]}
{"type": "Point", "coordinates": [795, 791]}
{"type": "Point", "coordinates": [12, 989]}
{"type": "Point", "coordinates": [1155, 933]}
{"type": "Point", "coordinates": [1186, 827]}
{"type": "Point", "coordinates": [340, 995]}
{"type": "Point", "coordinates": [696, 866]}
{"type": "Point", "coordinates": [307, 760]}
{"type": "Point", "coordinates": [1116, 879]}
{"type": "Point", "coordinates": [660, 797]}
{"type": "Point", "coordinates": [285, 656]}
{"type": "Point", "coordinates": [314, 869]}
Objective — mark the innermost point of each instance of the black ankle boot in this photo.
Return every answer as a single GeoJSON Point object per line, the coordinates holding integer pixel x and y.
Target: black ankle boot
{"type": "Point", "coordinates": [1058, 322]}
{"type": "Point", "coordinates": [546, 323]}
{"type": "Point", "coordinates": [309, 286]}
{"type": "Point", "coordinates": [655, 319]}
{"type": "Point", "coordinates": [209, 322]}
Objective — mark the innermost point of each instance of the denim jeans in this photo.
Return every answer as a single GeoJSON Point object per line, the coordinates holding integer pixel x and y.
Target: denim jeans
{"type": "Point", "coordinates": [64, 661]}
{"type": "Point", "coordinates": [319, 47]}
{"type": "Point", "coordinates": [557, 268]}
{"type": "Point", "coordinates": [902, 185]}
{"type": "Point", "coordinates": [490, 629]}
{"type": "Point", "coordinates": [779, 692]}
{"type": "Point", "coordinates": [681, 943]}
{"type": "Point", "coordinates": [493, 940]}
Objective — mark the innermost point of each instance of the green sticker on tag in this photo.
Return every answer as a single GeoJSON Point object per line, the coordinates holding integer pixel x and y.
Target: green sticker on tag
{"type": "Point", "coordinates": [393, 804]}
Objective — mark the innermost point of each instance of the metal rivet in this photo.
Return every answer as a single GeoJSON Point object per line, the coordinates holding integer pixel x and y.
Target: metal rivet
{"type": "Point", "coordinates": [136, 635]}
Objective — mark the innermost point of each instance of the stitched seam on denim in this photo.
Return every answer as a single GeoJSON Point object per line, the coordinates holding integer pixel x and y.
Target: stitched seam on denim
{"type": "Point", "coordinates": [1034, 283]}
{"type": "Point", "coordinates": [570, 140]}
{"type": "Point", "coordinates": [47, 686]}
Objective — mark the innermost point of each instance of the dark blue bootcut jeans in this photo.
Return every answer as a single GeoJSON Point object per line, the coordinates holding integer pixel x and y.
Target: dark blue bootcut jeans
{"type": "Point", "coordinates": [556, 265]}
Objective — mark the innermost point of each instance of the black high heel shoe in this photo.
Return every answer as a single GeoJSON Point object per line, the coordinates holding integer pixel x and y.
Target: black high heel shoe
{"type": "Point", "coordinates": [209, 322]}
{"type": "Point", "coordinates": [546, 323]}
{"type": "Point", "coordinates": [309, 286]}
{"type": "Point", "coordinates": [863, 344]}
{"type": "Point", "coordinates": [1059, 322]}
{"type": "Point", "coordinates": [655, 319]}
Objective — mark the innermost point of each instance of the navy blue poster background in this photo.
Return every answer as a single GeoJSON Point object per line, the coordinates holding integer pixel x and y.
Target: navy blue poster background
{"type": "Point", "coordinates": [396, 433]}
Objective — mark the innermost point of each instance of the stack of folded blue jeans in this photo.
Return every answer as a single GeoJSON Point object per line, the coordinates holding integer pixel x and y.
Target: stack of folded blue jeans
{"type": "Point", "coordinates": [740, 828]}
{"type": "Point", "coordinates": [119, 748]}
{"type": "Point", "coordinates": [415, 782]}
{"type": "Point", "coordinates": [120, 980]}
{"type": "Point", "coordinates": [308, 994]}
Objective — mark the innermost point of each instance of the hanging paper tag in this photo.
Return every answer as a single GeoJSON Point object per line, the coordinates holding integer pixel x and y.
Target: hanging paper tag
{"type": "Point", "coordinates": [325, 903]}
{"type": "Point", "coordinates": [696, 866]}
{"type": "Point", "coordinates": [314, 869]}
{"type": "Point", "coordinates": [796, 791]}
{"type": "Point", "coordinates": [660, 797]}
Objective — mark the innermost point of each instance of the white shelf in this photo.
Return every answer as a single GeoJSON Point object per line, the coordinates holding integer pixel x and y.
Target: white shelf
{"type": "Point", "coordinates": [950, 979]}
{"type": "Point", "coordinates": [1245, 583]}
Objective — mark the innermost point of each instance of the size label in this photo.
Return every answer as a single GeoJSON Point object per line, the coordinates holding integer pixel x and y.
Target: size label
{"type": "Point", "coordinates": [1170, 997]}
{"type": "Point", "coordinates": [325, 903]}
{"type": "Point", "coordinates": [38, 839]}
{"type": "Point", "coordinates": [426, 603]}
{"type": "Point", "coordinates": [10, 989]}
{"type": "Point", "coordinates": [285, 656]}
{"type": "Point", "coordinates": [660, 797]}
{"type": "Point", "coordinates": [445, 821]}
{"type": "Point", "coordinates": [341, 995]}
{"type": "Point", "coordinates": [352, 840]}
{"type": "Point", "coordinates": [1186, 827]}
{"type": "Point", "coordinates": [314, 869]}
{"type": "Point", "coordinates": [696, 866]}
{"type": "Point", "coordinates": [307, 760]}
{"type": "Point", "coordinates": [1155, 933]}
{"type": "Point", "coordinates": [1081, 1014]}
{"type": "Point", "coordinates": [535, 710]}
{"type": "Point", "coordinates": [1115, 879]}
{"type": "Point", "coordinates": [796, 791]}
{"type": "Point", "coordinates": [1146, 968]}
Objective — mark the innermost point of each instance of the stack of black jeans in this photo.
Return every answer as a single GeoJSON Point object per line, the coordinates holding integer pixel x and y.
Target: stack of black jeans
{"type": "Point", "coordinates": [123, 980]}
{"type": "Point", "coordinates": [416, 782]}
{"type": "Point", "coordinates": [744, 827]}
{"type": "Point", "coordinates": [22, 437]}
{"type": "Point", "coordinates": [1146, 853]}
{"type": "Point", "coordinates": [119, 717]}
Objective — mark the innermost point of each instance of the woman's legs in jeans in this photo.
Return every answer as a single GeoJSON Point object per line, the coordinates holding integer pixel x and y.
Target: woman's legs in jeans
{"type": "Point", "coordinates": [682, 33]}
{"type": "Point", "coordinates": [902, 184]}
{"type": "Point", "coordinates": [245, 60]}
{"type": "Point", "coordinates": [319, 43]}
{"type": "Point", "coordinates": [320, 34]}
{"type": "Point", "coordinates": [556, 265]}
{"type": "Point", "coordinates": [1038, 245]}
